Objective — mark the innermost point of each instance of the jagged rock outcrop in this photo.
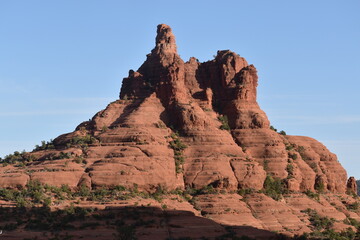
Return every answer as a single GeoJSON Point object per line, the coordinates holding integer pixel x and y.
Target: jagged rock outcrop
{"type": "Point", "coordinates": [181, 125]}
{"type": "Point", "coordinates": [351, 186]}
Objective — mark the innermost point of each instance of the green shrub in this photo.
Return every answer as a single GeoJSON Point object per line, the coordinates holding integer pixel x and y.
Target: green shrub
{"type": "Point", "coordinates": [272, 128]}
{"type": "Point", "coordinates": [177, 145]}
{"type": "Point", "coordinates": [62, 155]}
{"type": "Point", "coordinates": [282, 132]}
{"type": "Point", "coordinates": [34, 185]}
{"type": "Point", "coordinates": [319, 186]}
{"type": "Point", "coordinates": [329, 234]}
{"type": "Point", "coordinates": [209, 189]}
{"type": "Point", "coordinates": [47, 202]}
{"type": "Point", "coordinates": [179, 161]}
{"type": "Point", "coordinates": [18, 157]}
{"type": "Point", "coordinates": [273, 187]}
{"type": "Point", "coordinates": [99, 194]}
{"type": "Point", "coordinates": [35, 194]}
{"type": "Point", "coordinates": [83, 140]}
{"type": "Point", "coordinates": [352, 222]}
{"type": "Point", "coordinates": [289, 146]}
{"type": "Point", "coordinates": [318, 222]}
{"type": "Point", "coordinates": [21, 202]}
{"type": "Point", "coordinates": [266, 164]}
{"type": "Point", "coordinates": [178, 148]}
{"type": "Point", "coordinates": [159, 193]}
{"type": "Point", "coordinates": [224, 122]}
{"type": "Point", "coordinates": [293, 156]}
{"type": "Point", "coordinates": [80, 160]}
{"type": "Point", "coordinates": [65, 189]}
{"type": "Point", "coordinates": [83, 191]}
{"type": "Point", "coordinates": [312, 195]}
{"type": "Point", "coordinates": [44, 145]}
{"type": "Point", "coordinates": [301, 150]}
{"type": "Point", "coordinates": [353, 206]}
{"type": "Point", "coordinates": [7, 194]}
{"type": "Point", "coordinates": [119, 188]}
{"type": "Point", "coordinates": [314, 167]}
{"type": "Point", "coordinates": [290, 170]}
{"type": "Point", "coordinates": [245, 191]}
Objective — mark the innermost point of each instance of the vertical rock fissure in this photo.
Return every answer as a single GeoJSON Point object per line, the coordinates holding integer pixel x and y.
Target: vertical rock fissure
{"type": "Point", "coordinates": [196, 175]}
{"type": "Point", "coordinates": [233, 170]}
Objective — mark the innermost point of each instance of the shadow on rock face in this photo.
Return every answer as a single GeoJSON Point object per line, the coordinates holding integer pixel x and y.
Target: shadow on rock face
{"type": "Point", "coordinates": [118, 223]}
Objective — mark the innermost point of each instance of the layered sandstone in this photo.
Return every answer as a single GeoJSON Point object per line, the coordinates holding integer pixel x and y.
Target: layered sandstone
{"type": "Point", "coordinates": [181, 125]}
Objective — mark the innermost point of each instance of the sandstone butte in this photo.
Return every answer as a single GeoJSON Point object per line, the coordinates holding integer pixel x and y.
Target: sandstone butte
{"type": "Point", "coordinates": [191, 125]}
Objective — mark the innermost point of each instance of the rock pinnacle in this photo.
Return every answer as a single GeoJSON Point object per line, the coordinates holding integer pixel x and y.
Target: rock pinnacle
{"type": "Point", "coordinates": [165, 40]}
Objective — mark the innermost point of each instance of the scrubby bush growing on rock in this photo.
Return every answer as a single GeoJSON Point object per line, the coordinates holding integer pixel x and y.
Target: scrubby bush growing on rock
{"type": "Point", "coordinates": [293, 156]}
{"type": "Point", "coordinates": [272, 128]}
{"type": "Point", "coordinates": [45, 145]}
{"type": "Point", "coordinates": [83, 140]}
{"type": "Point", "coordinates": [273, 187]}
{"type": "Point", "coordinates": [18, 157]}
{"type": "Point", "coordinates": [224, 122]}
{"type": "Point", "coordinates": [178, 148]}
{"type": "Point", "coordinates": [319, 222]}
{"type": "Point", "coordinates": [312, 195]}
{"type": "Point", "coordinates": [290, 170]}
{"type": "Point", "coordinates": [282, 132]}
{"type": "Point", "coordinates": [323, 228]}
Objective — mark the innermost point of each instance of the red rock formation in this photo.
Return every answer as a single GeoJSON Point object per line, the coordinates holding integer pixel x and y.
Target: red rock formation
{"type": "Point", "coordinates": [189, 124]}
{"type": "Point", "coordinates": [130, 138]}
{"type": "Point", "coordinates": [351, 186]}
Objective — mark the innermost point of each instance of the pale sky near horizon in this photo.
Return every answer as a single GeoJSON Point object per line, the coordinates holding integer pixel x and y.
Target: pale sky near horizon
{"type": "Point", "coordinates": [62, 61]}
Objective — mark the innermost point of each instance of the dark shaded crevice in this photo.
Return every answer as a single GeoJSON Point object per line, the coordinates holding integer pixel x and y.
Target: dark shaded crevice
{"type": "Point", "coordinates": [121, 222]}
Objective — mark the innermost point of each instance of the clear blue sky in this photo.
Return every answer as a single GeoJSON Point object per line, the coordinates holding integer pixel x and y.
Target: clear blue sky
{"type": "Point", "coordinates": [62, 61]}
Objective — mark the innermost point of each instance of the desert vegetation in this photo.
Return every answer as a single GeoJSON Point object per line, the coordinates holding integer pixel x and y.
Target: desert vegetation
{"type": "Point", "coordinates": [178, 146]}
{"type": "Point", "coordinates": [224, 122]}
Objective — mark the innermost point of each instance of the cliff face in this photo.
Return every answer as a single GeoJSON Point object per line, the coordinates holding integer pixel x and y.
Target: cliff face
{"type": "Point", "coordinates": [192, 125]}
